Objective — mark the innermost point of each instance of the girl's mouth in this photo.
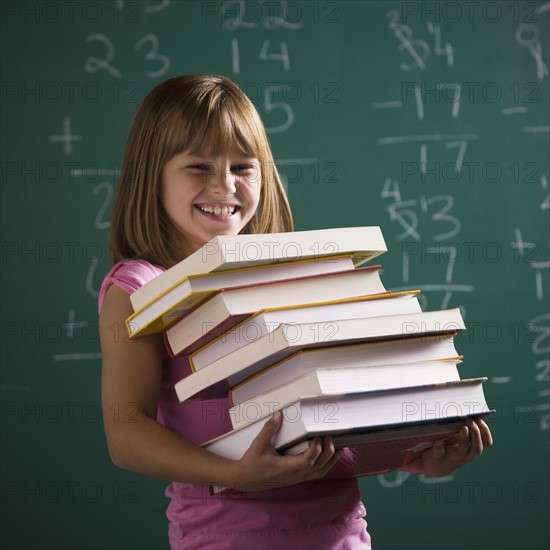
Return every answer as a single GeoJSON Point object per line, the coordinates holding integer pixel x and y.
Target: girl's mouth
{"type": "Point", "coordinates": [226, 210]}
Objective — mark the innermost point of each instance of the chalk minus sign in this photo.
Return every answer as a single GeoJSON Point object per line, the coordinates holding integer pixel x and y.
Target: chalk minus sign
{"type": "Point", "coordinates": [387, 104]}
{"type": "Point", "coordinates": [93, 172]}
{"type": "Point", "coordinates": [76, 356]}
{"type": "Point", "coordinates": [426, 137]}
{"type": "Point", "coordinates": [447, 287]}
{"type": "Point", "coordinates": [536, 129]}
{"type": "Point", "coordinates": [533, 407]}
{"type": "Point", "coordinates": [514, 110]}
{"type": "Point", "coordinates": [501, 379]}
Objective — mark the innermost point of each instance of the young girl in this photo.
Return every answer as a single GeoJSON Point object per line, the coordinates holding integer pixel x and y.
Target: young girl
{"type": "Point", "coordinates": [197, 165]}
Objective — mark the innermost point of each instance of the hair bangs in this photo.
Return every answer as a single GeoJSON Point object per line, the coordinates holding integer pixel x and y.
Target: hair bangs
{"type": "Point", "coordinates": [217, 127]}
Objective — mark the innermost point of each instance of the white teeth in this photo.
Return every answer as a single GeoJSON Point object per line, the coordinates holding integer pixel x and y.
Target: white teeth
{"type": "Point", "coordinates": [218, 210]}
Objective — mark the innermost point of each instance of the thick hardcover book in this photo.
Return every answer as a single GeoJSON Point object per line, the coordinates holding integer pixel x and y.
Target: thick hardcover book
{"type": "Point", "coordinates": [288, 339]}
{"type": "Point", "coordinates": [378, 451]}
{"type": "Point", "coordinates": [267, 320]}
{"type": "Point", "coordinates": [370, 354]}
{"type": "Point", "coordinates": [342, 381]}
{"type": "Point", "coordinates": [337, 414]}
{"type": "Point", "coordinates": [397, 423]}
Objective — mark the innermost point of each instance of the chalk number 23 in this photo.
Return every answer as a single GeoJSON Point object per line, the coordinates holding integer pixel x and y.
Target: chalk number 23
{"type": "Point", "coordinates": [149, 42]}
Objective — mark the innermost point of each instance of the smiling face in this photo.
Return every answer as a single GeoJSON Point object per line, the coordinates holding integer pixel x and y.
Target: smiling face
{"type": "Point", "coordinates": [208, 195]}
{"type": "Point", "coordinates": [186, 177]}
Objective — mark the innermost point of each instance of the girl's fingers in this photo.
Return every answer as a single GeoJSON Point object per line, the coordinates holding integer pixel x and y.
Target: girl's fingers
{"type": "Point", "coordinates": [486, 436]}
{"type": "Point", "coordinates": [328, 452]}
{"type": "Point", "coordinates": [313, 452]}
{"type": "Point", "coordinates": [269, 429]}
{"type": "Point", "coordinates": [329, 464]}
{"type": "Point", "coordinates": [476, 443]}
{"type": "Point", "coordinates": [324, 466]}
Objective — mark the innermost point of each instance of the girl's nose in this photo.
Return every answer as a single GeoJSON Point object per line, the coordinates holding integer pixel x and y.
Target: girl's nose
{"type": "Point", "coordinates": [223, 182]}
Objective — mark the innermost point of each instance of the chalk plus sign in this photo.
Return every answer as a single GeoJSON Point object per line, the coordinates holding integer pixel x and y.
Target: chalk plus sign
{"type": "Point", "coordinates": [72, 324]}
{"type": "Point", "coordinates": [67, 138]}
{"type": "Point", "coordinates": [519, 243]}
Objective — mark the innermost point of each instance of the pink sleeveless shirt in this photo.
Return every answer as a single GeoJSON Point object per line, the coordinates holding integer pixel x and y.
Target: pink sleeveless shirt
{"type": "Point", "coordinates": [316, 515]}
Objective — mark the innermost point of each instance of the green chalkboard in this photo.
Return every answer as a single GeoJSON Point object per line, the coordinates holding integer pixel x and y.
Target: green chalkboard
{"type": "Point", "coordinates": [430, 119]}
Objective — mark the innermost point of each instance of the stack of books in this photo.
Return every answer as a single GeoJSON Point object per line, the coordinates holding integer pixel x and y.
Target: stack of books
{"type": "Point", "coordinates": [294, 322]}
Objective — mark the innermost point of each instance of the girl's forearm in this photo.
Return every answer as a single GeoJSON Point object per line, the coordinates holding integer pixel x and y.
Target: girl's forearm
{"type": "Point", "coordinates": [144, 446]}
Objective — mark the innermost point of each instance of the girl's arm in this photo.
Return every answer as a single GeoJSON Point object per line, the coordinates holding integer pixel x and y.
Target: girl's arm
{"type": "Point", "coordinates": [131, 378]}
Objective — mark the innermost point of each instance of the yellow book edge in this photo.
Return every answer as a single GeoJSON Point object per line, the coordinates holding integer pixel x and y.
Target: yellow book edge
{"type": "Point", "coordinates": [364, 298]}
{"type": "Point", "coordinates": [359, 258]}
{"type": "Point", "coordinates": [160, 322]}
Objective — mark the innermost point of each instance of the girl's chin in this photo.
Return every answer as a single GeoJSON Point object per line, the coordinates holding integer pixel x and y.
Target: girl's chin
{"type": "Point", "coordinates": [215, 230]}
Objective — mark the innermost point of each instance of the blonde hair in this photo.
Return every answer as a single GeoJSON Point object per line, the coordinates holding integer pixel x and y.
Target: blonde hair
{"type": "Point", "coordinates": [188, 113]}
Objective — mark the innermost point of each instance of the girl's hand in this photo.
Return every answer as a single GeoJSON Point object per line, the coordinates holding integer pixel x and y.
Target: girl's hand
{"type": "Point", "coordinates": [442, 459]}
{"type": "Point", "coordinates": [261, 467]}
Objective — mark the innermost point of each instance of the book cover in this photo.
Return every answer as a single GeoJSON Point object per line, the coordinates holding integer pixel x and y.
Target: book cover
{"type": "Point", "coordinates": [236, 251]}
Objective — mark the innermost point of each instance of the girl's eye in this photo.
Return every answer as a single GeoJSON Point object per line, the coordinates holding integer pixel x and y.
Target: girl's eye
{"type": "Point", "coordinates": [200, 167]}
{"type": "Point", "coordinates": [243, 168]}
